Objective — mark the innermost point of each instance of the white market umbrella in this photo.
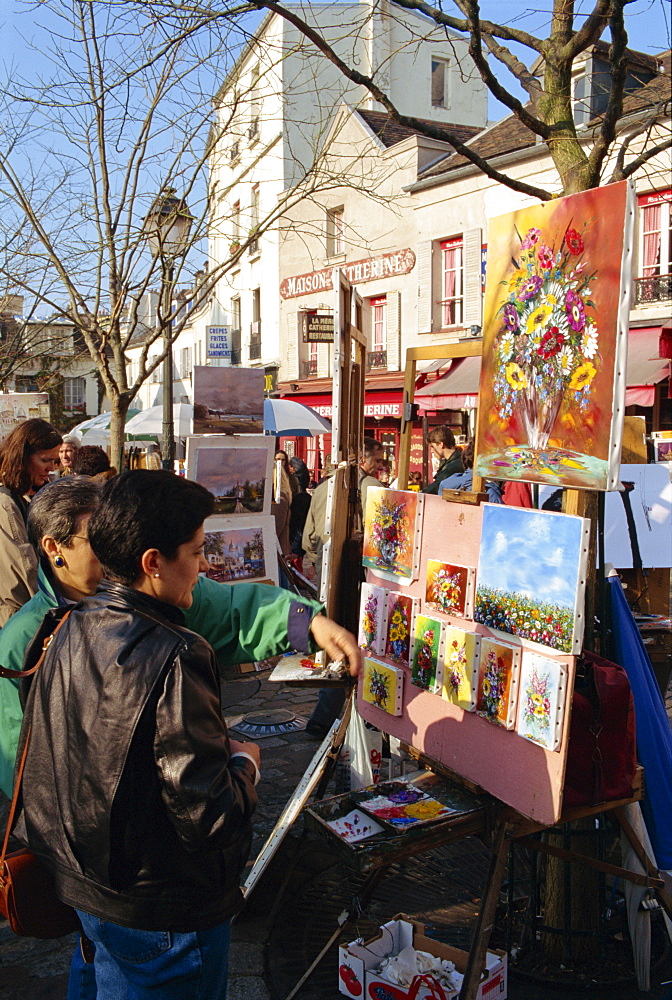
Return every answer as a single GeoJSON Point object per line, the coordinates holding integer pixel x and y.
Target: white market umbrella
{"type": "Point", "coordinates": [150, 422]}
{"type": "Point", "coordinates": [96, 430]}
{"type": "Point", "coordinates": [287, 418]}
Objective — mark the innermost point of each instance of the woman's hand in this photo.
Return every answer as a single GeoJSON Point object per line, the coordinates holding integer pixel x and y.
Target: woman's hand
{"type": "Point", "coordinates": [337, 642]}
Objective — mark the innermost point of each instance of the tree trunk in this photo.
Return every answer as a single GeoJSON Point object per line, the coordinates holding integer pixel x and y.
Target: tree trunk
{"type": "Point", "coordinates": [120, 405]}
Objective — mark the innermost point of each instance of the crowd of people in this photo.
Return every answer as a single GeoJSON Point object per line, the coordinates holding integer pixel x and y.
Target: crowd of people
{"type": "Point", "coordinates": [133, 794]}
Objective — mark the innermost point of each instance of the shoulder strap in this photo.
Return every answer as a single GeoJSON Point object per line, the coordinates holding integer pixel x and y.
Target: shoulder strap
{"type": "Point", "coordinates": [24, 754]}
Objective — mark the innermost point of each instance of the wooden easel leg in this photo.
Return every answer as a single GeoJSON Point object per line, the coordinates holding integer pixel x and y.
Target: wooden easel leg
{"type": "Point", "coordinates": [486, 914]}
{"type": "Point", "coordinates": [664, 895]}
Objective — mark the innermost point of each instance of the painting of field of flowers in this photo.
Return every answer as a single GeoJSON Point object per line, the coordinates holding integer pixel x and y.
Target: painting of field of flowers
{"type": "Point", "coordinates": [372, 609]}
{"type": "Point", "coordinates": [531, 575]}
{"type": "Point", "coordinates": [497, 682]}
{"type": "Point", "coordinates": [426, 651]}
{"type": "Point", "coordinates": [460, 669]}
{"type": "Point", "coordinates": [541, 700]}
{"type": "Point", "coordinates": [400, 610]}
{"type": "Point", "coordinates": [382, 686]}
{"type": "Point", "coordinates": [449, 588]}
{"type": "Point", "coordinates": [554, 340]}
{"type": "Point", "coordinates": [391, 526]}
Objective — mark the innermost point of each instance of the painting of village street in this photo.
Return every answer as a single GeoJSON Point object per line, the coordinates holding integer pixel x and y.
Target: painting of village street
{"type": "Point", "coordinates": [228, 400]}
{"type": "Point", "coordinates": [236, 476]}
{"type": "Point", "coordinates": [236, 553]}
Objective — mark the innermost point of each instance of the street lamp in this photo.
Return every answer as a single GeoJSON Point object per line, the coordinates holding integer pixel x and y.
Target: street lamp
{"type": "Point", "coordinates": [167, 229]}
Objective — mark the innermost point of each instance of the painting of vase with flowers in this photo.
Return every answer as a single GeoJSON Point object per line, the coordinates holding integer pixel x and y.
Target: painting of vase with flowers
{"type": "Point", "coordinates": [449, 588]}
{"type": "Point", "coordinates": [460, 670]}
{"type": "Point", "coordinates": [372, 608]}
{"type": "Point", "coordinates": [391, 526]}
{"type": "Point", "coordinates": [426, 651]}
{"type": "Point", "coordinates": [541, 705]}
{"type": "Point", "coordinates": [552, 392]}
{"type": "Point", "coordinates": [498, 682]}
{"type": "Point", "coordinates": [400, 609]}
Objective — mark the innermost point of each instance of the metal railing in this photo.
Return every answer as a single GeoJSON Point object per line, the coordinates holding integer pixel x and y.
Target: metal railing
{"type": "Point", "coordinates": [309, 368]}
{"type": "Point", "coordinates": [376, 359]}
{"type": "Point", "coordinates": [655, 289]}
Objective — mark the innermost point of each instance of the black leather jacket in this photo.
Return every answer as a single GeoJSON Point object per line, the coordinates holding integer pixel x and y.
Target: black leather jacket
{"type": "Point", "coordinates": [130, 793]}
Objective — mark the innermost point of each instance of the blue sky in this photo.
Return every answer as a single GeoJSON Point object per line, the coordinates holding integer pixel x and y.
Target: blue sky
{"type": "Point", "coordinates": [532, 553]}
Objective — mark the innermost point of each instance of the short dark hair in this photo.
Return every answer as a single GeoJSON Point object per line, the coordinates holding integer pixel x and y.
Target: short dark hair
{"type": "Point", "coordinates": [145, 509]}
{"type": "Point", "coordinates": [442, 435]}
{"type": "Point", "coordinates": [56, 509]}
{"type": "Point", "coordinates": [27, 438]}
{"type": "Point", "coordinates": [371, 446]}
{"type": "Point", "coordinates": [90, 460]}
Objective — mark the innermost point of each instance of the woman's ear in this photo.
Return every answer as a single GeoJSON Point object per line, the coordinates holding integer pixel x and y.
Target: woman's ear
{"type": "Point", "coordinates": [50, 546]}
{"type": "Point", "coordinates": [150, 562]}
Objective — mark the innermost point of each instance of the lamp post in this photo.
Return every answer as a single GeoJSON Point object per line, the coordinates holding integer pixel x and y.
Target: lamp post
{"type": "Point", "coordinates": [167, 227]}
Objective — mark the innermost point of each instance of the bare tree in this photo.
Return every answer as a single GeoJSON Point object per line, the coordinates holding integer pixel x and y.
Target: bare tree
{"type": "Point", "coordinates": [579, 157]}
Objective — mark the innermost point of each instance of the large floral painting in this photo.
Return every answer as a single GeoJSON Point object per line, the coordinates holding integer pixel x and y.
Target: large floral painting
{"type": "Point", "coordinates": [498, 682]}
{"type": "Point", "coordinates": [391, 533]}
{"type": "Point", "coordinates": [426, 666]}
{"type": "Point", "coordinates": [541, 704]}
{"type": "Point", "coordinates": [460, 670]}
{"type": "Point", "coordinates": [532, 575]}
{"type": "Point", "coordinates": [552, 390]}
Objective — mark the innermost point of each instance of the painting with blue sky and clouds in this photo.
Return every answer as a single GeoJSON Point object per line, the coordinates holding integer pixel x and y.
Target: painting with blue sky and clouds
{"type": "Point", "coordinates": [531, 575]}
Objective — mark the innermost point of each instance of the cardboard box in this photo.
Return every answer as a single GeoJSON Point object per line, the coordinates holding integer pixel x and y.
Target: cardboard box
{"type": "Point", "coordinates": [356, 978]}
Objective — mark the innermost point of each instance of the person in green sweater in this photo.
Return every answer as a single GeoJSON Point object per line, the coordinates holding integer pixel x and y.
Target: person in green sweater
{"type": "Point", "coordinates": [242, 622]}
{"type": "Point", "coordinates": [441, 441]}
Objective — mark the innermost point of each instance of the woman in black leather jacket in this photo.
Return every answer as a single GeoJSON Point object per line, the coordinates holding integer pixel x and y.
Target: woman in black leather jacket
{"type": "Point", "coordinates": [133, 794]}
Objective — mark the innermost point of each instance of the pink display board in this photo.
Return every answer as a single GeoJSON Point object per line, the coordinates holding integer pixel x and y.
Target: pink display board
{"type": "Point", "coordinates": [516, 770]}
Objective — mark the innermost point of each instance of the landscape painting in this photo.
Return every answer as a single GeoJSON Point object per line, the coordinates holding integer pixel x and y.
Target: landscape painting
{"type": "Point", "coordinates": [498, 682]}
{"type": "Point", "coordinates": [449, 588]}
{"type": "Point", "coordinates": [460, 671]}
{"type": "Point", "coordinates": [541, 703]}
{"type": "Point", "coordinates": [532, 575]}
{"type": "Point", "coordinates": [400, 610]}
{"type": "Point", "coordinates": [228, 400]}
{"type": "Point", "coordinates": [426, 652]}
{"type": "Point", "coordinates": [552, 391]}
{"type": "Point", "coordinates": [372, 608]}
{"type": "Point", "coordinates": [392, 522]}
{"type": "Point", "coordinates": [236, 470]}
{"type": "Point", "coordinates": [382, 686]}
{"type": "Point", "coordinates": [238, 551]}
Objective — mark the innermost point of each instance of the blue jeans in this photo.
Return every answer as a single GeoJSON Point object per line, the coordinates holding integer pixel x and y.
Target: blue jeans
{"type": "Point", "coordinates": [152, 965]}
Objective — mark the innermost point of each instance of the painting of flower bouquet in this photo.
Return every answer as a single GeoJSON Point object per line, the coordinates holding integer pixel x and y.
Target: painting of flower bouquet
{"type": "Point", "coordinates": [449, 588]}
{"type": "Point", "coordinates": [426, 653]}
{"type": "Point", "coordinates": [373, 602]}
{"type": "Point", "coordinates": [541, 705]}
{"type": "Point", "coordinates": [382, 686]}
{"type": "Point", "coordinates": [531, 575]}
{"type": "Point", "coordinates": [391, 526]}
{"type": "Point", "coordinates": [460, 670]}
{"type": "Point", "coordinates": [400, 609]}
{"type": "Point", "coordinates": [498, 682]}
{"type": "Point", "coordinates": [554, 340]}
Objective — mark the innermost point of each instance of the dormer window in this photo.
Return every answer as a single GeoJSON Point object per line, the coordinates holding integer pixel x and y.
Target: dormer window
{"type": "Point", "coordinates": [439, 83]}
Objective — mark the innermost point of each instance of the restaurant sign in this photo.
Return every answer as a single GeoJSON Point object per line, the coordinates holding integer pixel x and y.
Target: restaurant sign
{"type": "Point", "coordinates": [316, 327]}
{"type": "Point", "coordinates": [357, 272]}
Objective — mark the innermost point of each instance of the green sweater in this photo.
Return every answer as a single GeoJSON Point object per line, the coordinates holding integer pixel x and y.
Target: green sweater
{"type": "Point", "coordinates": [242, 622]}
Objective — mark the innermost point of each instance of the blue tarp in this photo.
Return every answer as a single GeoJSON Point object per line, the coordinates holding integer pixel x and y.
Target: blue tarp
{"type": "Point", "coordinates": [654, 736]}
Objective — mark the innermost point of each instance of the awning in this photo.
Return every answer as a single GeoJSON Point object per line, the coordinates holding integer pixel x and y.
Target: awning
{"type": "Point", "coordinates": [458, 390]}
{"type": "Point", "coordinates": [376, 404]}
{"type": "Point", "coordinates": [645, 368]}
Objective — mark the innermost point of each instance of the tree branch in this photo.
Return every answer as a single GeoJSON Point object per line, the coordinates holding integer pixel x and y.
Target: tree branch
{"type": "Point", "coordinates": [643, 158]}
{"type": "Point", "coordinates": [619, 68]}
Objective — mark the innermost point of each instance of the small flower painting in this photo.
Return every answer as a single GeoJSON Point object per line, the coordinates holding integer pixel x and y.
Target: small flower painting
{"type": "Point", "coordinates": [542, 700]}
{"type": "Point", "coordinates": [382, 686]}
{"type": "Point", "coordinates": [372, 618]}
{"type": "Point", "coordinates": [460, 672]}
{"type": "Point", "coordinates": [391, 522]}
{"type": "Point", "coordinates": [400, 609]}
{"type": "Point", "coordinates": [497, 682]}
{"type": "Point", "coordinates": [553, 341]}
{"type": "Point", "coordinates": [449, 588]}
{"type": "Point", "coordinates": [426, 650]}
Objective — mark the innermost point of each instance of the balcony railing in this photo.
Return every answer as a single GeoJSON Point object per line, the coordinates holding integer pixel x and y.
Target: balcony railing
{"type": "Point", "coordinates": [655, 289]}
{"type": "Point", "coordinates": [309, 368]}
{"type": "Point", "coordinates": [376, 359]}
{"type": "Point", "coordinates": [255, 340]}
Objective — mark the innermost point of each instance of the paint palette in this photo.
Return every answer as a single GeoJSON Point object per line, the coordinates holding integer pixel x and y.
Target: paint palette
{"type": "Point", "coordinates": [355, 826]}
{"type": "Point", "coordinates": [401, 805]}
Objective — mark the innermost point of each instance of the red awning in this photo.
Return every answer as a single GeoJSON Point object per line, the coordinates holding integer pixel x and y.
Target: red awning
{"type": "Point", "coordinates": [386, 403]}
{"type": "Point", "coordinates": [645, 368]}
{"type": "Point", "coordinates": [458, 390]}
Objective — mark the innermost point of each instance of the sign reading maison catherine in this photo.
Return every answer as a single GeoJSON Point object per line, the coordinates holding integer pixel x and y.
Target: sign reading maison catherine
{"type": "Point", "coordinates": [357, 272]}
